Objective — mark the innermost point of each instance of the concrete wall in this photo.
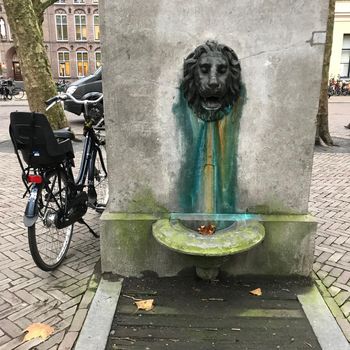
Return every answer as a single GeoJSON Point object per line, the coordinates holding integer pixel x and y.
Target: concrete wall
{"type": "Point", "coordinates": [145, 43]}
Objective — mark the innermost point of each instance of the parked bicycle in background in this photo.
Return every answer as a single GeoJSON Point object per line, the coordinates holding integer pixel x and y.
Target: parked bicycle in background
{"type": "Point", "coordinates": [8, 89]}
{"type": "Point", "coordinates": [338, 87]}
{"type": "Point", "coordinates": [57, 200]}
{"type": "Point", "coordinates": [61, 85]}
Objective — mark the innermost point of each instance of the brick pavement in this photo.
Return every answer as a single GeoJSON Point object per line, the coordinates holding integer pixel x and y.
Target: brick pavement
{"type": "Point", "coordinates": [330, 204]}
{"type": "Point", "coordinates": [27, 294]}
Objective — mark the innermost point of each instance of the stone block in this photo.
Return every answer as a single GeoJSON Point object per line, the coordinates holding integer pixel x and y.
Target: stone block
{"type": "Point", "coordinates": [342, 297]}
{"type": "Point", "coordinates": [129, 249]}
{"type": "Point", "coordinates": [333, 291]}
{"type": "Point", "coordinates": [144, 45]}
{"type": "Point", "coordinates": [264, 147]}
{"type": "Point", "coordinates": [346, 309]}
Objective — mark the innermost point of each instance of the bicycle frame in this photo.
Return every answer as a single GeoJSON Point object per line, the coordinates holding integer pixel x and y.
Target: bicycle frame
{"type": "Point", "coordinates": [87, 169]}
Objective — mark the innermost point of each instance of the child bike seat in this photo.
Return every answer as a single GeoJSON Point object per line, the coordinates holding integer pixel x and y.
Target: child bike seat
{"type": "Point", "coordinates": [32, 134]}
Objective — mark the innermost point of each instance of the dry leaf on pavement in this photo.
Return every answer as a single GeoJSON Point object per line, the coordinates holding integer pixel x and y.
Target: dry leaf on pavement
{"type": "Point", "coordinates": [147, 304]}
{"type": "Point", "coordinates": [257, 292]}
{"type": "Point", "coordinates": [38, 330]}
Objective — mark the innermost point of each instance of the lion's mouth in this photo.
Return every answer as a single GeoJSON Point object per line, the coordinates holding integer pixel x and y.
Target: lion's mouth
{"type": "Point", "coordinates": [211, 103]}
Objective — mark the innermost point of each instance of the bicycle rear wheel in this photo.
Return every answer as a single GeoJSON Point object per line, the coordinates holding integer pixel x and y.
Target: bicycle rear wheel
{"type": "Point", "coordinates": [18, 93]}
{"type": "Point", "coordinates": [48, 244]}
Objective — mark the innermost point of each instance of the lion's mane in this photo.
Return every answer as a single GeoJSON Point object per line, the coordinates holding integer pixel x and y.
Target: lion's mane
{"type": "Point", "coordinates": [190, 87]}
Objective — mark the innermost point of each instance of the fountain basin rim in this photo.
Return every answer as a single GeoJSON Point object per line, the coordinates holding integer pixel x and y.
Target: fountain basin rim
{"type": "Point", "coordinates": [231, 240]}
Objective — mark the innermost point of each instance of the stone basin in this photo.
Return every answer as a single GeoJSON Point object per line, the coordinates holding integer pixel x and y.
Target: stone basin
{"type": "Point", "coordinates": [178, 233]}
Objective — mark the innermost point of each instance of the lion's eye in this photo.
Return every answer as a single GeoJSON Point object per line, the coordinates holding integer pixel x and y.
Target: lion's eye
{"type": "Point", "coordinates": [222, 69]}
{"type": "Point", "coordinates": [204, 68]}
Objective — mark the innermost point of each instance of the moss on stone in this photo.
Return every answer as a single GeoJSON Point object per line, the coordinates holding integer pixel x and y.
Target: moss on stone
{"type": "Point", "coordinates": [144, 202]}
{"type": "Point", "coordinates": [232, 240]}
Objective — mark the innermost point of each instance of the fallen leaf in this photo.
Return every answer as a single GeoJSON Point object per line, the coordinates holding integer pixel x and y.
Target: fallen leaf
{"type": "Point", "coordinates": [146, 305]}
{"type": "Point", "coordinates": [206, 229]}
{"type": "Point", "coordinates": [257, 292]}
{"type": "Point", "coordinates": [38, 330]}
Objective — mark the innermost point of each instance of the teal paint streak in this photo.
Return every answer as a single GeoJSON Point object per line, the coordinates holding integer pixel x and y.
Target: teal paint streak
{"type": "Point", "coordinates": [191, 181]}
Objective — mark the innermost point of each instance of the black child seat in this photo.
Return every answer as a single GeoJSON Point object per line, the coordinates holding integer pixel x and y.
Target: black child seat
{"type": "Point", "coordinates": [32, 134]}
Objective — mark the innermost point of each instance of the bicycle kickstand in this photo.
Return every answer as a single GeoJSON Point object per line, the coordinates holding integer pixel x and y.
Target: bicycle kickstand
{"type": "Point", "coordinates": [82, 221]}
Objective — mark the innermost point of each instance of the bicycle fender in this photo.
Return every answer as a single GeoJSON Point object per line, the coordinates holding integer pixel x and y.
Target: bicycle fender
{"type": "Point", "coordinates": [91, 95]}
{"type": "Point", "coordinates": [31, 212]}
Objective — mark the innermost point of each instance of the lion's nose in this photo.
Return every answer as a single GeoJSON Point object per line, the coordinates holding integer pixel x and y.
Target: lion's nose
{"type": "Point", "coordinates": [213, 82]}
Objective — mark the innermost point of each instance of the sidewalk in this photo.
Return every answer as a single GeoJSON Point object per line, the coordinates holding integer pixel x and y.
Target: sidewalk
{"type": "Point", "coordinates": [330, 204]}
{"type": "Point", "coordinates": [61, 298]}
{"type": "Point", "coordinates": [27, 294]}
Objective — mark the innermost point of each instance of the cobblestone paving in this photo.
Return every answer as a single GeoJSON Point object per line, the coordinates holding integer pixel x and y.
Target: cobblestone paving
{"type": "Point", "coordinates": [29, 295]}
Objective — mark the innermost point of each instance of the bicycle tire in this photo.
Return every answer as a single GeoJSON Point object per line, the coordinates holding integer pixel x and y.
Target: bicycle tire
{"type": "Point", "coordinates": [18, 93]}
{"type": "Point", "coordinates": [101, 180]}
{"type": "Point", "coordinates": [48, 244]}
{"type": "Point", "coordinates": [8, 96]}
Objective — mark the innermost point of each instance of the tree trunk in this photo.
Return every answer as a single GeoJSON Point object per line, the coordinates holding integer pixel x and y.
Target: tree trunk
{"type": "Point", "coordinates": [322, 130]}
{"type": "Point", "coordinates": [28, 38]}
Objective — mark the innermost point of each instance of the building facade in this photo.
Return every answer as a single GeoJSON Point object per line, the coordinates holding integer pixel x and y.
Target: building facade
{"type": "Point", "coordinates": [340, 59]}
{"type": "Point", "coordinates": [71, 36]}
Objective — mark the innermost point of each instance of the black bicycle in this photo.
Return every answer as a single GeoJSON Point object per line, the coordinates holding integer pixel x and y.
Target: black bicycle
{"type": "Point", "coordinates": [56, 199]}
{"type": "Point", "coordinates": [8, 89]}
{"type": "Point", "coordinates": [5, 89]}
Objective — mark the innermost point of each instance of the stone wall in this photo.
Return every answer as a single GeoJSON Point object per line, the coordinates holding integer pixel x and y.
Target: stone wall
{"type": "Point", "coordinates": [280, 45]}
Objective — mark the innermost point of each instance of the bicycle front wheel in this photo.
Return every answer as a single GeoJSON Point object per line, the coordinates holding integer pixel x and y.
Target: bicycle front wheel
{"type": "Point", "coordinates": [101, 179]}
{"type": "Point", "coordinates": [48, 244]}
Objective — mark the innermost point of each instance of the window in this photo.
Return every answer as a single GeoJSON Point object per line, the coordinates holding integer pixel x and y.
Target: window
{"type": "Point", "coordinates": [345, 57]}
{"type": "Point", "coordinates": [2, 29]}
{"type": "Point", "coordinates": [82, 63]}
{"type": "Point", "coordinates": [61, 2]}
{"type": "Point", "coordinates": [97, 59]}
{"type": "Point", "coordinates": [96, 27]}
{"type": "Point", "coordinates": [63, 64]}
{"type": "Point", "coordinates": [79, 1]}
{"type": "Point", "coordinates": [80, 27]}
{"type": "Point", "coordinates": [61, 27]}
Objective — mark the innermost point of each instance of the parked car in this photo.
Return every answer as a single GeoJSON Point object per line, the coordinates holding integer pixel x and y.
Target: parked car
{"type": "Point", "coordinates": [86, 88]}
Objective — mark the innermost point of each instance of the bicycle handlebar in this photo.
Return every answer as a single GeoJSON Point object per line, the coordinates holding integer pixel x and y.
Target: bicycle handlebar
{"type": "Point", "coordinates": [64, 97]}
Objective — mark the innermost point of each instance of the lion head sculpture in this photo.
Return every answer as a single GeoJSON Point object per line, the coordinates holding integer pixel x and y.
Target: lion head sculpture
{"type": "Point", "coordinates": [211, 80]}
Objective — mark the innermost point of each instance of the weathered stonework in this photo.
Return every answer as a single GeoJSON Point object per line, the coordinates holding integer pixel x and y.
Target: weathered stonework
{"type": "Point", "coordinates": [144, 45]}
{"type": "Point", "coordinates": [129, 248]}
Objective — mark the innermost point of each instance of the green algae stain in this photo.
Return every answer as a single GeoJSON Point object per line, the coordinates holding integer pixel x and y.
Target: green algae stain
{"type": "Point", "coordinates": [207, 179]}
{"type": "Point", "coordinates": [144, 202]}
{"type": "Point", "coordinates": [232, 240]}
